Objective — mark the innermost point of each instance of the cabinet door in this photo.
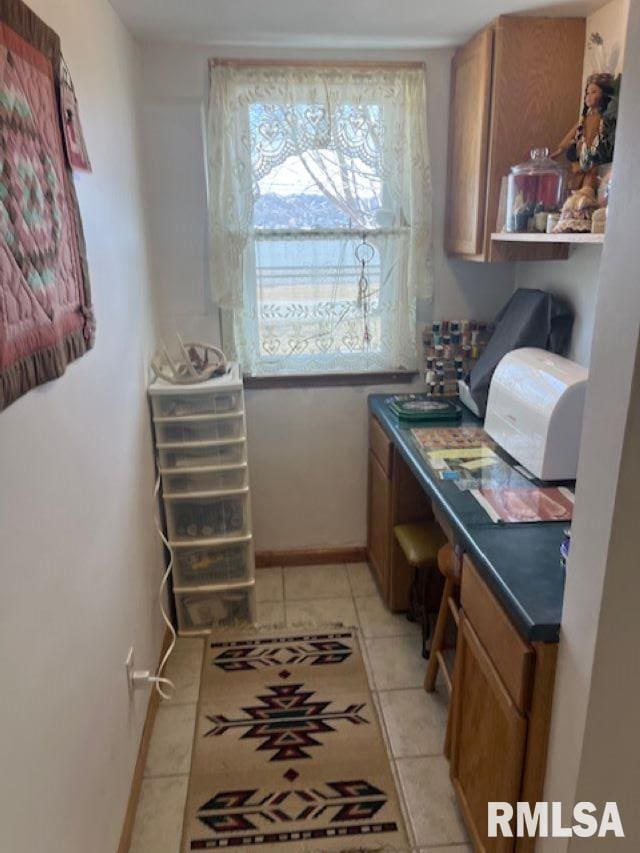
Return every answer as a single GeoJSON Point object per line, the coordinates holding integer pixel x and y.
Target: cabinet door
{"type": "Point", "coordinates": [489, 735]}
{"type": "Point", "coordinates": [537, 80]}
{"type": "Point", "coordinates": [468, 135]}
{"type": "Point", "coordinates": [379, 522]}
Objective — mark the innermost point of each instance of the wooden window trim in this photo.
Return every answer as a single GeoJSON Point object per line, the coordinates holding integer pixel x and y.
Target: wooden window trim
{"type": "Point", "coordinates": [330, 380]}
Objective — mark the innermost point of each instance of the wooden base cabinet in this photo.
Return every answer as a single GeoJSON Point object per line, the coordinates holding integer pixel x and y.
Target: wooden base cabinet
{"type": "Point", "coordinates": [488, 741]}
{"type": "Point", "coordinates": [394, 497]}
{"type": "Point", "coordinates": [379, 530]}
{"type": "Point", "coordinates": [500, 714]}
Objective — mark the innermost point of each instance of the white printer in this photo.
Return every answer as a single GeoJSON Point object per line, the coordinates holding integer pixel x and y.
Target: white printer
{"type": "Point", "coordinates": [534, 411]}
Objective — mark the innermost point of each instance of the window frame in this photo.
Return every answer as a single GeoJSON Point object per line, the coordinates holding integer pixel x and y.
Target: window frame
{"type": "Point", "coordinates": [396, 359]}
{"type": "Point", "coordinates": [251, 294]}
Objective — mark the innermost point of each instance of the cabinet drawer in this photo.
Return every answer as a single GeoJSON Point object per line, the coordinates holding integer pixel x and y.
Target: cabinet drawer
{"type": "Point", "coordinates": [207, 518]}
{"type": "Point", "coordinates": [203, 480]}
{"type": "Point", "coordinates": [380, 445]}
{"type": "Point", "coordinates": [199, 428]}
{"type": "Point", "coordinates": [208, 402]}
{"type": "Point", "coordinates": [201, 611]}
{"type": "Point", "coordinates": [513, 658]}
{"type": "Point", "coordinates": [212, 565]}
{"type": "Point", "coordinates": [206, 454]}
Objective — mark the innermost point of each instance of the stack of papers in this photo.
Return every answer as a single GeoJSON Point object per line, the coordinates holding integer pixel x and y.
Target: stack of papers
{"type": "Point", "coordinates": [515, 506]}
{"type": "Point", "coordinates": [475, 468]}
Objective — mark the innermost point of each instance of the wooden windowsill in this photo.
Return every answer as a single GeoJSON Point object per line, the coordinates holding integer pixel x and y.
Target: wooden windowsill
{"type": "Point", "coordinates": [331, 380]}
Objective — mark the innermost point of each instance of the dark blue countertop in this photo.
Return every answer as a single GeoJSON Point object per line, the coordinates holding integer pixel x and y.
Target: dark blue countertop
{"type": "Point", "coordinates": [519, 562]}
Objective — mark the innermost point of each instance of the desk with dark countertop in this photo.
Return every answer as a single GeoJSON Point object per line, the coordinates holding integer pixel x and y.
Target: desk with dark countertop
{"type": "Point", "coordinates": [519, 562]}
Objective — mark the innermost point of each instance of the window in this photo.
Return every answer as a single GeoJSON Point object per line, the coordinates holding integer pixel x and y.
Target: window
{"type": "Point", "coordinates": [319, 215]}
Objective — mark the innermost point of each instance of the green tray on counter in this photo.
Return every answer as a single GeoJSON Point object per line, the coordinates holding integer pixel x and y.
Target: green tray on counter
{"type": "Point", "coordinates": [422, 408]}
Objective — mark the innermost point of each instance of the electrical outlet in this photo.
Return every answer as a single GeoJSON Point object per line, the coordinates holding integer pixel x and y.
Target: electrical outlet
{"type": "Point", "coordinates": [128, 664]}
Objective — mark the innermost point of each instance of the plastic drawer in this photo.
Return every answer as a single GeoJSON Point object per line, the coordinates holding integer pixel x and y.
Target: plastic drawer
{"type": "Point", "coordinates": [212, 565]}
{"type": "Point", "coordinates": [205, 455]}
{"type": "Point", "coordinates": [203, 429]}
{"type": "Point", "coordinates": [203, 403]}
{"type": "Point", "coordinates": [201, 611]}
{"type": "Point", "coordinates": [204, 480]}
{"type": "Point", "coordinates": [207, 517]}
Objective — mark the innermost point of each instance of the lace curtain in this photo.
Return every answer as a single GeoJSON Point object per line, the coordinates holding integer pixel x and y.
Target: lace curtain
{"type": "Point", "coordinates": [311, 171]}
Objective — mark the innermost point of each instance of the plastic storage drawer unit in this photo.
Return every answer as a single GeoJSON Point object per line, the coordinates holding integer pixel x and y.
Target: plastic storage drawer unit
{"type": "Point", "coordinates": [201, 447]}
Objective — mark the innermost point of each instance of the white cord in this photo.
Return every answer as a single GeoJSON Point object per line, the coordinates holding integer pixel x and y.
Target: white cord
{"type": "Point", "coordinates": [157, 679]}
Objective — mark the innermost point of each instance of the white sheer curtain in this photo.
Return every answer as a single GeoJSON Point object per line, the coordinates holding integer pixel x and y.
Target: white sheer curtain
{"type": "Point", "coordinates": [304, 164]}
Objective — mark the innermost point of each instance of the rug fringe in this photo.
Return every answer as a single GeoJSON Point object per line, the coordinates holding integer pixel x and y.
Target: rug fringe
{"type": "Point", "coordinates": [266, 628]}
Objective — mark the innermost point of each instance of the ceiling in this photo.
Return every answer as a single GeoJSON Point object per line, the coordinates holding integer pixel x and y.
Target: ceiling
{"type": "Point", "coordinates": [391, 24]}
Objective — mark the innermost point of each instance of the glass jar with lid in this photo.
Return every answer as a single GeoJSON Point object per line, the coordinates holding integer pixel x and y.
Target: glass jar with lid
{"type": "Point", "coordinates": [535, 189]}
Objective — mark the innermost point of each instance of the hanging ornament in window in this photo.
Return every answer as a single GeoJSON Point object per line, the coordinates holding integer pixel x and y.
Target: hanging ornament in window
{"type": "Point", "coordinates": [364, 253]}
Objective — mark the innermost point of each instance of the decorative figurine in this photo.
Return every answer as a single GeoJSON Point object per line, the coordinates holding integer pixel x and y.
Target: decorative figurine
{"type": "Point", "coordinates": [577, 211]}
{"type": "Point", "coordinates": [599, 221]}
{"type": "Point", "coordinates": [590, 143]}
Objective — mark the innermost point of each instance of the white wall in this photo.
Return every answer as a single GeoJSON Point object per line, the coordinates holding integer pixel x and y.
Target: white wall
{"type": "Point", "coordinates": [307, 447]}
{"type": "Point", "coordinates": [79, 556]}
{"type": "Point", "coordinates": [594, 752]}
{"type": "Point", "coordinates": [611, 22]}
{"type": "Point", "coordinates": [576, 280]}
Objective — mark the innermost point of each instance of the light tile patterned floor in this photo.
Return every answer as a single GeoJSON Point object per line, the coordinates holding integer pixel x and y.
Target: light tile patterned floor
{"type": "Point", "coordinates": [413, 721]}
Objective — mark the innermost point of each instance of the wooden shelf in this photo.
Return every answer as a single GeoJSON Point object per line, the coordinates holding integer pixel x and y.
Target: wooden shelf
{"type": "Point", "coordinates": [506, 237]}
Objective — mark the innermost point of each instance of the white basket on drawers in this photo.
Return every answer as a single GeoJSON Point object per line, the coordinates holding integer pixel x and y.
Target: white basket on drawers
{"type": "Point", "coordinates": [201, 445]}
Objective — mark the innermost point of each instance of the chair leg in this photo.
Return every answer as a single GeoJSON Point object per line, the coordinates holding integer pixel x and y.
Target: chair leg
{"type": "Point", "coordinates": [412, 612]}
{"type": "Point", "coordinates": [438, 636]}
{"type": "Point", "coordinates": [424, 614]}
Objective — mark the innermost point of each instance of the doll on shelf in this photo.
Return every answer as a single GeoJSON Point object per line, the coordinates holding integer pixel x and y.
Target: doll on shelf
{"type": "Point", "coordinates": [589, 144]}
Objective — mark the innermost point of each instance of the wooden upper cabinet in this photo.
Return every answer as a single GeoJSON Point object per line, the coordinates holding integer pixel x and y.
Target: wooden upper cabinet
{"type": "Point", "coordinates": [469, 132]}
{"type": "Point", "coordinates": [515, 86]}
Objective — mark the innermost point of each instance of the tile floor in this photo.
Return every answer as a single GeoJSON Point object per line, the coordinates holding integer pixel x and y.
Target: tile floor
{"type": "Point", "coordinates": [413, 721]}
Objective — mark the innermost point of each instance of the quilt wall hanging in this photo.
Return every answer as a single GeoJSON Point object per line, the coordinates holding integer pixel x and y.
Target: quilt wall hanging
{"type": "Point", "coordinates": [46, 319]}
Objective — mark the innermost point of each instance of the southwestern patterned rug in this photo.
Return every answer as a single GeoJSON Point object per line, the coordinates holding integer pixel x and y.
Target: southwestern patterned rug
{"type": "Point", "coordinates": [288, 753]}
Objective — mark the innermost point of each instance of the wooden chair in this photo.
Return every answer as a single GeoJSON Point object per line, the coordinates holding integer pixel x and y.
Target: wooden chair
{"type": "Point", "coordinates": [420, 542]}
{"type": "Point", "coordinates": [448, 561]}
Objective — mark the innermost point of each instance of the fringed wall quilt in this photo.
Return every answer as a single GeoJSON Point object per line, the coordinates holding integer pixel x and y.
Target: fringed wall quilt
{"type": "Point", "coordinates": [45, 302]}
